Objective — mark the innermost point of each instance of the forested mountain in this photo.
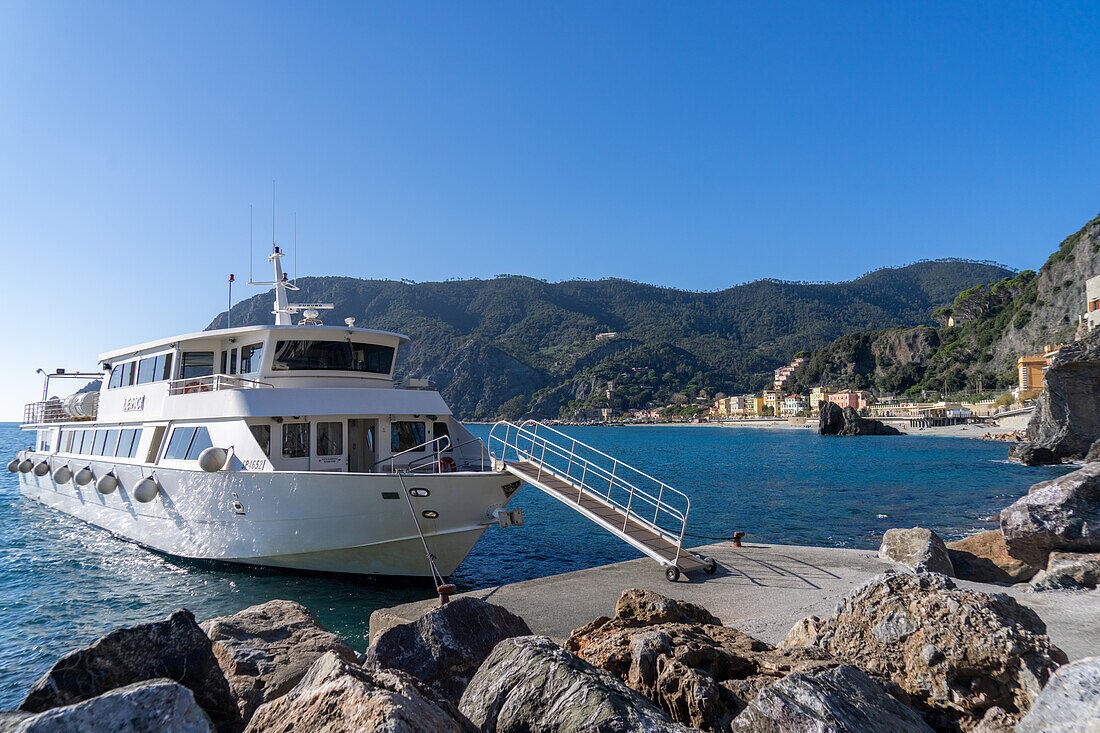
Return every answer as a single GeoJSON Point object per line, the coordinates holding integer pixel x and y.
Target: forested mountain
{"type": "Point", "coordinates": [992, 326]}
{"type": "Point", "coordinates": [514, 345]}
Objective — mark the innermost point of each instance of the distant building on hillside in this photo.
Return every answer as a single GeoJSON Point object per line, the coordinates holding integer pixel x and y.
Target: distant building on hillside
{"type": "Point", "coordinates": [607, 336]}
{"type": "Point", "coordinates": [1092, 302]}
{"type": "Point", "coordinates": [782, 374]}
{"type": "Point", "coordinates": [856, 399]}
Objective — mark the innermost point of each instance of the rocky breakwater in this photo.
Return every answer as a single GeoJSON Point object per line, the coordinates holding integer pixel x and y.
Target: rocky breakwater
{"type": "Point", "coordinates": [1066, 423]}
{"type": "Point", "coordinates": [837, 420]}
{"type": "Point", "coordinates": [903, 653]}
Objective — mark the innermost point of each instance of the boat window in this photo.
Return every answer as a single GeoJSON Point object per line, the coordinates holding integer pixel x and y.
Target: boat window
{"type": "Point", "coordinates": [65, 446]}
{"type": "Point", "coordinates": [405, 435]}
{"type": "Point", "coordinates": [330, 438]}
{"type": "Point", "coordinates": [295, 440]}
{"type": "Point", "coordinates": [197, 364]}
{"type": "Point", "coordinates": [78, 441]}
{"type": "Point", "coordinates": [146, 371]}
{"type": "Point", "coordinates": [116, 377]}
{"type": "Point", "coordinates": [179, 443]}
{"type": "Point", "coordinates": [126, 443]}
{"type": "Point", "coordinates": [111, 446]}
{"type": "Point", "coordinates": [332, 356]}
{"type": "Point", "coordinates": [162, 367]}
{"type": "Point", "coordinates": [200, 443]}
{"type": "Point", "coordinates": [97, 444]}
{"type": "Point", "coordinates": [127, 374]}
{"type": "Point", "coordinates": [439, 429]}
{"type": "Point", "coordinates": [250, 358]}
{"type": "Point", "coordinates": [262, 434]}
{"type": "Point", "coordinates": [44, 440]}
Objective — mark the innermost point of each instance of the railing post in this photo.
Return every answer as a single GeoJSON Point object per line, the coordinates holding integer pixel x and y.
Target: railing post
{"type": "Point", "coordinates": [542, 457]}
{"type": "Point", "coordinates": [660, 494]}
{"type": "Point", "coordinates": [629, 502]}
{"type": "Point", "coordinates": [611, 481]}
{"type": "Point", "coordinates": [572, 453]}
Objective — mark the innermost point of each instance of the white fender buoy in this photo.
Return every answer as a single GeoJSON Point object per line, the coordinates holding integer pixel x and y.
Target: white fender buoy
{"type": "Point", "coordinates": [83, 476]}
{"type": "Point", "coordinates": [13, 465]}
{"type": "Point", "coordinates": [146, 490]}
{"type": "Point", "coordinates": [213, 459]}
{"type": "Point", "coordinates": [41, 468]}
{"type": "Point", "coordinates": [25, 465]}
{"type": "Point", "coordinates": [107, 483]}
{"type": "Point", "coordinates": [62, 475]}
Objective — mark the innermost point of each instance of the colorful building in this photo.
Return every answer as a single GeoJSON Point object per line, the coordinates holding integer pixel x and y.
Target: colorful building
{"type": "Point", "coordinates": [773, 399]}
{"type": "Point", "coordinates": [817, 396]}
{"type": "Point", "coordinates": [1092, 302]}
{"type": "Point", "coordinates": [782, 374]}
{"type": "Point", "coordinates": [793, 405]}
{"type": "Point", "coordinates": [856, 399]}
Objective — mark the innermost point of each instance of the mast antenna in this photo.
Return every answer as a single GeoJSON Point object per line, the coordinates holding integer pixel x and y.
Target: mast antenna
{"type": "Point", "coordinates": [250, 277]}
{"type": "Point", "coordinates": [295, 247]}
{"type": "Point", "coordinates": [272, 212]}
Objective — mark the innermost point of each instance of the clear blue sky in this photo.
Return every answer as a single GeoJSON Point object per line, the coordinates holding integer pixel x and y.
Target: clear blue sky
{"type": "Point", "coordinates": [690, 144]}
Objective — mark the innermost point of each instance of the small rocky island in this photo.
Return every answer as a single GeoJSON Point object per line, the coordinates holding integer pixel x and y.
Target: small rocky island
{"type": "Point", "coordinates": [837, 420]}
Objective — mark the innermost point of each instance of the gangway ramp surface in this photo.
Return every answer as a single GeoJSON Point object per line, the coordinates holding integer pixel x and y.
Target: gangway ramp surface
{"type": "Point", "coordinates": [644, 512]}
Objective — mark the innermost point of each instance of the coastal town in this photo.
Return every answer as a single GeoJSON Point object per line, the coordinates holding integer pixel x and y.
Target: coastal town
{"type": "Point", "coordinates": [779, 404]}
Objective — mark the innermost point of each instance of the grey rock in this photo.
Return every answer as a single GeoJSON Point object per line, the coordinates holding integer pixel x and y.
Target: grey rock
{"type": "Point", "coordinates": [1030, 454]}
{"type": "Point", "coordinates": [335, 695]}
{"type": "Point", "coordinates": [10, 720]}
{"type": "Point", "coordinates": [1070, 571]}
{"type": "Point", "coordinates": [445, 646]}
{"type": "Point", "coordinates": [1094, 452]}
{"type": "Point", "coordinates": [264, 650]}
{"type": "Point", "coordinates": [836, 420]}
{"type": "Point", "coordinates": [152, 706]}
{"type": "Point", "coordinates": [176, 649]}
{"type": "Point", "coordinates": [1061, 514]}
{"type": "Point", "coordinates": [1067, 412]}
{"type": "Point", "coordinates": [992, 651]}
{"type": "Point", "coordinates": [531, 685]}
{"type": "Point", "coordinates": [920, 550]}
{"type": "Point", "coordinates": [838, 700]}
{"type": "Point", "coordinates": [1070, 702]}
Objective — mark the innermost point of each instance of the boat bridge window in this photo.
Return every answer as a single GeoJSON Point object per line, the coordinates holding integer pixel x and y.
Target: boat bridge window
{"type": "Point", "coordinates": [187, 443]}
{"type": "Point", "coordinates": [330, 438]}
{"type": "Point", "coordinates": [332, 356]}
{"type": "Point", "coordinates": [197, 364]}
{"type": "Point", "coordinates": [406, 434]}
{"type": "Point", "coordinates": [113, 442]}
{"type": "Point", "coordinates": [262, 434]}
{"type": "Point", "coordinates": [295, 440]}
{"type": "Point", "coordinates": [141, 371]}
{"type": "Point", "coordinates": [439, 429]}
{"type": "Point", "coordinates": [229, 361]}
{"type": "Point", "coordinates": [250, 358]}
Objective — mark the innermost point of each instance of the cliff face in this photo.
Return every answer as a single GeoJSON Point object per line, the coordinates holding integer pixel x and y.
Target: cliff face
{"type": "Point", "coordinates": [993, 325]}
{"type": "Point", "coordinates": [1067, 413]}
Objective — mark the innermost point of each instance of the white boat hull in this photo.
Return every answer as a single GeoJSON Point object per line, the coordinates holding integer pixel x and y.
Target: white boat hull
{"type": "Point", "coordinates": [332, 522]}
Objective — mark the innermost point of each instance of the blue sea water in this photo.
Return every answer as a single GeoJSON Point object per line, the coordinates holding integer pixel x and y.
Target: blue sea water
{"type": "Point", "coordinates": [63, 583]}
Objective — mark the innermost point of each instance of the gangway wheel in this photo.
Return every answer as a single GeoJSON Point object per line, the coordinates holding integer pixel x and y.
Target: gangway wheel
{"type": "Point", "coordinates": [672, 573]}
{"type": "Point", "coordinates": [710, 565]}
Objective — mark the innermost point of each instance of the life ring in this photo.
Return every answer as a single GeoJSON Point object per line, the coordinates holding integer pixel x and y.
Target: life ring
{"type": "Point", "coordinates": [447, 465]}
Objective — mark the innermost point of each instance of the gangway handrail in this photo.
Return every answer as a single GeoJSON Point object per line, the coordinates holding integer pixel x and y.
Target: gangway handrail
{"type": "Point", "coordinates": [415, 449]}
{"type": "Point", "coordinates": [540, 444]}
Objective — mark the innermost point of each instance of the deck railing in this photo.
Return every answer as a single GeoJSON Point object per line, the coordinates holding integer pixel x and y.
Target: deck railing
{"type": "Point", "coordinates": [213, 383]}
{"type": "Point", "coordinates": [53, 411]}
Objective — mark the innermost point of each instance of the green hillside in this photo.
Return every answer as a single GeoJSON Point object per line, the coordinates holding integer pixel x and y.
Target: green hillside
{"type": "Point", "coordinates": [516, 345]}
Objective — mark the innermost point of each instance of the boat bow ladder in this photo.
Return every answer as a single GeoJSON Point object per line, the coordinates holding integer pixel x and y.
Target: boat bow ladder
{"type": "Point", "coordinates": [644, 512]}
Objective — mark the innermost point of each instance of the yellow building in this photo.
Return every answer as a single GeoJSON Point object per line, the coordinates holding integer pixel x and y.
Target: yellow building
{"type": "Point", "coordinates": [817, 396]}
{"type": "Point", "coordinates": [773, 398]}
{"type": "Point", "coordinates": [1031, 370]}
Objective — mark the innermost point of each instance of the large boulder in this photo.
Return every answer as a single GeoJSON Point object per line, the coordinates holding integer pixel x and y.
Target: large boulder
{"type": "Point", "coordinates": [1070, 702]}
{"type": "Point", "coordinates": [699, 672]}
{"type": "Point", "coordinates": [838, 700]}
{"type": "Point", "coordinates": [837, 420]}
{"type": "Point", "coordinates": [445, 646]}
{"type": "Point", "coordinates": [531, 685]}
{"type": "Point", "coordinates": [1070, 571]}
{"type": "Point", "coordinates": [1094, 452]}
{"type": "Point", "coordinates": [1030, 454]}
{"type": "Point", "coordinates": [984, 558]}
{"type": "Point", "coordinates": [176, 649]}
{"type": "Point", "coordinates": [1061, 514]}
{"type": "Point", "coordinates": [956, 653]}
{"type": "Point", "coordinates": [335, 695]}
{"type": "Point", "coordinates": [919, 549]}
{"type": "Point", "coordinates": [1067, 416]}
{"type": "Point", "coordinates": [152, 706]}
{"type": "Point", "coordinates": [264, 650]}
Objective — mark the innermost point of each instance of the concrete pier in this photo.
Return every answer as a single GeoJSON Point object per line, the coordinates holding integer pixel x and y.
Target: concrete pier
{"type": "Point", "coordinates": [759, 589]}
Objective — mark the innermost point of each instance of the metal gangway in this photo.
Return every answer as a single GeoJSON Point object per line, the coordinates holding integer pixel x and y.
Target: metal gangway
{"type": "Point", "coordinates": [644, 512]}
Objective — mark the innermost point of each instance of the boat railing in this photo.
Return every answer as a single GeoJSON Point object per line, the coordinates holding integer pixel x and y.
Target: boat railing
{"type": "Point", "coordinates": [435, 460]}
{"type": "Point", "coordinates": [440, 444]}
{"type": "Point", "coordinates": [639, 496]}
{"type": "Point", "coordinates": [83, 406]}
{"type": "Point", "coordinates": [214, 383]}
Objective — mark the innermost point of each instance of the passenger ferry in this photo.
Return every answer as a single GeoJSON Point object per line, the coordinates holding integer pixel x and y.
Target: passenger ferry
{"type": "Point", "coordinates": [288, 445]}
